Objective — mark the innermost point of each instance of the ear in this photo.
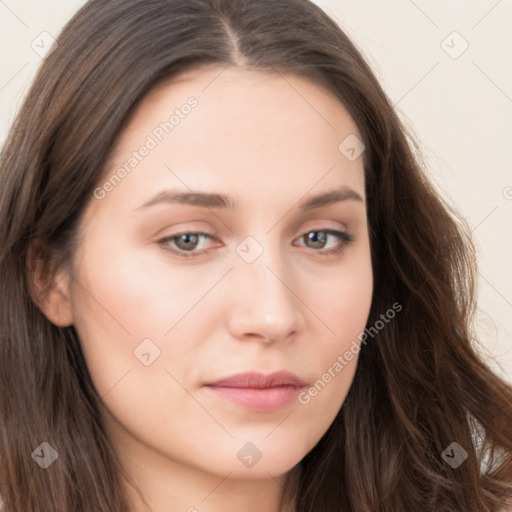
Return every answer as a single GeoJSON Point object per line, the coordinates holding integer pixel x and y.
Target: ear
{"type": "Point", "coordinates": [49, 289]}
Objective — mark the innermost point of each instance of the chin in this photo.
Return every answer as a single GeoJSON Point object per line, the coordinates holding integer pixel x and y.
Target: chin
{"type": "Point", "coordinates": [257, 459]}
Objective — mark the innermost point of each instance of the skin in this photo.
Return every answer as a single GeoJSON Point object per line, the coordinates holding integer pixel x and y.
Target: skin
{"type": "Point", "coordinates": [268, 143]}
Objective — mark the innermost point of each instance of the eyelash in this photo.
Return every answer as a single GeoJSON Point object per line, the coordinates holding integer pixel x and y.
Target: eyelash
{"type": "Point", "coordinates": [345, 237]}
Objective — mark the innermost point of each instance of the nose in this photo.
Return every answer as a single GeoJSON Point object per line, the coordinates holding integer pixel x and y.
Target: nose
{"type": "Point", "coordinates": [264, 305]}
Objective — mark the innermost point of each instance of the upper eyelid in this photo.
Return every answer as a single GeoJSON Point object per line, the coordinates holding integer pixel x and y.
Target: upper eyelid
{"type": "Point", "coordinates": [328, 229]}
{"type": "Point", "coordinates": [322, 227]}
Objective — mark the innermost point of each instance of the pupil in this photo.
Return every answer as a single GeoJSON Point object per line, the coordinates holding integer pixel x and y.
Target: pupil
{"type": "Point", "coordinates": [190, 240]}
{"type": "Point", "coordinates": [317, 237]}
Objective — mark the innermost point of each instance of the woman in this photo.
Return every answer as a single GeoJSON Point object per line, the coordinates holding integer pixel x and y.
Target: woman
{"type": "Point", "coordinates": [226, 283]}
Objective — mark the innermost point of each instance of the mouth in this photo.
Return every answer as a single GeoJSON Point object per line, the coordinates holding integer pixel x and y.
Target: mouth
{"type": "Point", "coordinates": [257, 391]}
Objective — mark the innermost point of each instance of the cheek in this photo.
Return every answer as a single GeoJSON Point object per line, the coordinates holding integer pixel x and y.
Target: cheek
{"type": "Point", "coordinates": [130, 292]}
{"type": "Point", "coordinates": [129, 304]}
{"type": "Point", "coordinates": [343, 306]}
{"type": "Point", "coordinates": [118, 303]}
{"type": "Point", "coordinates": [343, 299]}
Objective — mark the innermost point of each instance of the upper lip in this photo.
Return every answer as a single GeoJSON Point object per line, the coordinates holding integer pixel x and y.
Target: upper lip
{"type": "Point", "coordinates": [260, 380]}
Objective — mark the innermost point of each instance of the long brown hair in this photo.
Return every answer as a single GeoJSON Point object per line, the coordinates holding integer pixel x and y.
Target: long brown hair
{"type": "Point", "coordinates": [419, 385]}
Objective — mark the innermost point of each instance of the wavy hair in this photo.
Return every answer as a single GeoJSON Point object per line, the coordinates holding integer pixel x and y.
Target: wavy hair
{"type": "Point", "coordinates": [420, 384]}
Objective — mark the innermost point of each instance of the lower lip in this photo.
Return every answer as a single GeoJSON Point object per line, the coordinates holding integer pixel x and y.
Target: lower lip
{"type": "Point", "coordinates": [258, 399]}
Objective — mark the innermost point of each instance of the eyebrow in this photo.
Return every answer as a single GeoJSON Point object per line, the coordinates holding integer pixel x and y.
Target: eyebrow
{"type": "Point", "coordinates": [214, 200]}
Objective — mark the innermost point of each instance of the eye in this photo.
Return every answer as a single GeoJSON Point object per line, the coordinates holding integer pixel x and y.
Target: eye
{"type": "Point", "coordinates": [186, 244]}
{"type": "Point", "coordinates": [318, 239]}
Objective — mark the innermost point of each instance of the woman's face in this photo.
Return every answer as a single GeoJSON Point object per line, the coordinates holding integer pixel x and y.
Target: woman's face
{"type": "Point", "coordinates": [162, 312]}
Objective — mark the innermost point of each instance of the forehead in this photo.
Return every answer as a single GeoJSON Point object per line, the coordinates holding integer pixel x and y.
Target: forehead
{"type": "Point", "coordinates": [251, 133]}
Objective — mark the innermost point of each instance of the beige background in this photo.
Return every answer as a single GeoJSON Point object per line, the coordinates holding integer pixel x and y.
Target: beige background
{"type": "Point", "coordinates": [459, 105]}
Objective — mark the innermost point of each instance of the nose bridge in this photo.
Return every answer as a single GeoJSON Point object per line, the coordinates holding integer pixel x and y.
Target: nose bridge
{"type": "Point", "coordinates": [264, 302]}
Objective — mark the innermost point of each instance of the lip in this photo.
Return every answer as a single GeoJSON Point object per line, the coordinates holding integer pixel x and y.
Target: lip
{"type": "Point", "coordinates": [258, 391]}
